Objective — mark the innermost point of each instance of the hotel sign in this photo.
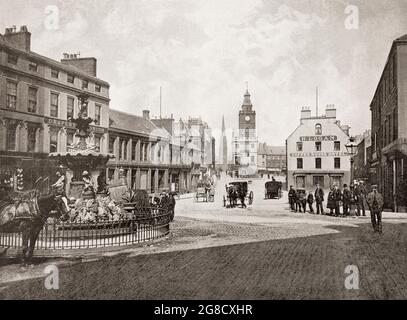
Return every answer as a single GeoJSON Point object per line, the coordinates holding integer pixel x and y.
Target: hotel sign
{"type": "Point", "coordinates": [318, 138]}
{"type": "Point", "coordinates": [318, 154]}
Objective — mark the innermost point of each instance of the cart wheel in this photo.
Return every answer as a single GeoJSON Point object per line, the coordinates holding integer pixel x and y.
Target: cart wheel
{"type": "Point", "coordinates": [251, 197]}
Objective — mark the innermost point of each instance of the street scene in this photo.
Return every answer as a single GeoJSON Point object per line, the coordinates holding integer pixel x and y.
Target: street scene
{"type": "Point", "coordinates": [171, 151]}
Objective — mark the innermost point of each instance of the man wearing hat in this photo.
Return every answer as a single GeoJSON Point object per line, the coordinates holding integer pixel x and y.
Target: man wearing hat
{"type": "Point", "coordinates": [360, 193]}
{"type": "Point", "coordinates": [375, 202]}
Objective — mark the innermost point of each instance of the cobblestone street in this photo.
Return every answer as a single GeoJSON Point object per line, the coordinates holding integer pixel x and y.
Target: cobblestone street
{"type": "Point", "coordinates": [264, 252]}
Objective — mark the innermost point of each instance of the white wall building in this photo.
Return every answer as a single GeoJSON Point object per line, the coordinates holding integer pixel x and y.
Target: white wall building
{"type": "Point", "coordinates": [316, 152]}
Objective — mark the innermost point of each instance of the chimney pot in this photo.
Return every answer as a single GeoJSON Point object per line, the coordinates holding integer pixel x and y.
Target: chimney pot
{"type": "Point", "coordinates": [146, 114]}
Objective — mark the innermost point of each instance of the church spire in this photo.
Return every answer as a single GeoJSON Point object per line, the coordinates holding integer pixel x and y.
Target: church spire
{"type": "Point", "coordinates": [223, 124]}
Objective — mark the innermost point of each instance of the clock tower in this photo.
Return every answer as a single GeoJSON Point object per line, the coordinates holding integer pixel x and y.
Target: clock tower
{"type": "Point", "coordinates": [247, 116]}
{"type": "Point", "coordinates": [245, 139]}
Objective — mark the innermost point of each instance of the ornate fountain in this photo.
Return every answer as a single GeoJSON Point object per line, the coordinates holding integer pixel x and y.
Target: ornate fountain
{"type": "Point", "coordinates": [84, 164]}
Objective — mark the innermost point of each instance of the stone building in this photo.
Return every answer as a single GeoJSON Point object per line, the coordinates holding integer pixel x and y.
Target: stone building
{"type": "Point", "coordinates": [271, 160]}
{"type": "Point", "coordinates": [361, 166]}
{"type": "Point", "coordinates": [37, 96]}
{"type": "Point", "coordinates": [316, 152]}
{"type": "Point", "coordinates": [148, 155]}
{"type": "Point", "coordinates": [389, 124]}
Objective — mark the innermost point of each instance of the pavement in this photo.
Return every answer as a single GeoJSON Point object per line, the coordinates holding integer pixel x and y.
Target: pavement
{"type": "Point", "coordinates": [262, 252]}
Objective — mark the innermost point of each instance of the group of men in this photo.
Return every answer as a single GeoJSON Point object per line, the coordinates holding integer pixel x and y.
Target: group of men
{"type": "Point", "coordinates": [353, 196]}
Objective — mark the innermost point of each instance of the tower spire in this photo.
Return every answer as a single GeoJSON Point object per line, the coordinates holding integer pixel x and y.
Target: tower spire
{"type": "Point", "coordinates": [223, 124]}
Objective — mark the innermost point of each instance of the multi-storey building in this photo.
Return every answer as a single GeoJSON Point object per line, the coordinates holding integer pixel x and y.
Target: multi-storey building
{"type": "Point", "coordinates": [271, 160]}
{"type": "Point", "coordinates": [245, 141]}
{"type": "Point", "coordinates": [361, 162]}
{"type": "Point", "coordinates": [147, 154]}
{"type": "Point", "coordinates": [389, 124]}
{"type": "Point", "coordinates": [37, 97]}
{"type": "Point", "coordinates": [316, 152]}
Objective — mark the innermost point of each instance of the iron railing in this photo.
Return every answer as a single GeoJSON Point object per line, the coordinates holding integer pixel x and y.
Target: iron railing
{"type": "Point", "coordinates": [80, 235]}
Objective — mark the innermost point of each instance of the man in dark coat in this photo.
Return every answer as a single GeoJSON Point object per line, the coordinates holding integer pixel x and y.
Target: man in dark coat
{"type": "Point", "coordinates": [310, 200]}
{"type": "Point", "coordinates": [360, 194]}
{"type": "Point", "coordinates": [337, 197]}
{"type": "Point", "coordinates": [301, 201]}
{"type": "Point", "coordinates": [292, 198]}
{"type": "Point", "coordinates": [319, 199]}
{"type": "Point", "coordinates": [347, 196]}
{"type": "Point", "coordinates": [375, 202]}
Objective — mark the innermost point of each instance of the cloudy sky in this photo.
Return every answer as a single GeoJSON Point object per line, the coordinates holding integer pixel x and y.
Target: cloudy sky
{"type": "Point", "coordinates": [203, 52]}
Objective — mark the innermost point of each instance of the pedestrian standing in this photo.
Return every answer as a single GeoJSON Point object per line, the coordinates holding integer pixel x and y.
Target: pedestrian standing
{"type": "Point", "coordinates": [337, 199]}
{"type": "Point", "coordinates": [331, 201]}
{"type": "Point", "coordinates": [310, 201]}
{"type": "Point", "coordinates": [292, 198]}
{"type": "Point", "coordinates": [319, 199]}
{"type": "Point", "coordinates": [347, 196]}
{"type": "Point", "coordinates": [375, 202]}
{"type": "Point", "coordinates": [301, 201]}
{"type": "Point", "coordinates": [360, 195]}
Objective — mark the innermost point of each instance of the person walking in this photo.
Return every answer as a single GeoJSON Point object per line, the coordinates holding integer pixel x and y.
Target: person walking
{"type": "Point", "coordinates": [375, 202]}
{"type": "Point", "coordinates": [360, 195]}
{"type": "Point", "coordinates": [319, 199]}
{"type": "Point", "coordinates": [292, 198]}
{"type": "Point", "coordinates": [310, 200]}
{"type": "Point", "coordinates": [347, 196]}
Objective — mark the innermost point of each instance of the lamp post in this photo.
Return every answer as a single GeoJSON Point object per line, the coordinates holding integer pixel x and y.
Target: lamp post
{"type": "Point", "coordinates": [351, 148]}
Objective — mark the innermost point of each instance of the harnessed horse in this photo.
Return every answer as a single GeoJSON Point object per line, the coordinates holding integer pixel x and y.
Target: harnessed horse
{"type": "Point", "coordinates": [28, 216]}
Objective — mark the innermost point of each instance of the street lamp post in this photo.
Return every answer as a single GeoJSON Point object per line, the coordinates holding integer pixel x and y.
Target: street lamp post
{"type": "Point", "coordinates": [351, 148]}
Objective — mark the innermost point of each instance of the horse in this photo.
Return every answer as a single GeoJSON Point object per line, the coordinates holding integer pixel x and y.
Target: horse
{"type": "Point", "coordinates": [232, 195]}
{"type": "Point", "coordinates": [28, 217]}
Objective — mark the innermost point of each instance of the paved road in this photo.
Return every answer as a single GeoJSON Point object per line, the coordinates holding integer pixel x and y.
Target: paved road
{"type": "Point", "coordinates": [265, 252]}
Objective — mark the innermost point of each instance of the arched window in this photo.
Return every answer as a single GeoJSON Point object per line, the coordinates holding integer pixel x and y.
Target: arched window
{"type": "Point", "coordinates": [318, 129]}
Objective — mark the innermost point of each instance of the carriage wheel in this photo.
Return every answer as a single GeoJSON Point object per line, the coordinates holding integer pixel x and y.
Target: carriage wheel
{"type": "Point", "coordinates": [251, 197]}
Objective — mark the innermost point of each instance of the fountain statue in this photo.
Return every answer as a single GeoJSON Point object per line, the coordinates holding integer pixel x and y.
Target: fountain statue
{"type": "Point", "coordinates": [81, 157]}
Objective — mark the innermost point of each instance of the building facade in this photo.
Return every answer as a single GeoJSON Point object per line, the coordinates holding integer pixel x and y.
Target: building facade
{"type": "Point", "coordinates": [361, 166]}
{"type": "Point", "coordinates": [244, 140]}
{"type": "Point", "coordinates": [271, 160]}
{"type": "Point", "coordinates": [316, 152]}
{"type": "Point", "coordinates": [37, 97]}
{"type": "Point", "coordinates": [147, 155]}
{"type": "Point", "coordinates": [389, 125]}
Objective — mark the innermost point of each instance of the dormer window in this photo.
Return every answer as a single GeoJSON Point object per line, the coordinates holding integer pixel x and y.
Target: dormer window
{"type": "Point", "coordinates": [84, 84]}
{"type": "Point", "coordinates": [318, 129]}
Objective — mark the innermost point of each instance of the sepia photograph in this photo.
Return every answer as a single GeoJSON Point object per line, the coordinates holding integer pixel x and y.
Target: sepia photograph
{"type": "Point", "coordinates": [203, 151]}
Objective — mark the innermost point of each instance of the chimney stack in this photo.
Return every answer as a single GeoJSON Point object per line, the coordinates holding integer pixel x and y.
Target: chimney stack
{"type": "Point", "coordinates": [305, 113]}
{"type": "Point", "coordinates": [146, 114]}
{"type": "Point", "coordinates": [21, 39]}
{"type": "Point", "coordinates": [88, 65]}
{"type": "Point", "coordinates": [330, 111]}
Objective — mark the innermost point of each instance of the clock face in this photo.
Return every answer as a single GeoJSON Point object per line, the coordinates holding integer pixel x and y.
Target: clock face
{"type": "Point", "coordinates": [247, 118]}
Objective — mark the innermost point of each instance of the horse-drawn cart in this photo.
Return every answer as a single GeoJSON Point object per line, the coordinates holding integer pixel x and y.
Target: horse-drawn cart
{"type": "Point", "coordinates": [272, 190]}
{"type": "Point", "coordinates": [238, 190]}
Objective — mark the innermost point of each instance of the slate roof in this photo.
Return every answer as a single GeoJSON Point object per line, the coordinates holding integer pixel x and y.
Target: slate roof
{"type": "Point", "coordinates": [50, 62]}
{"type": "Point", "coordinates": [135, 124]}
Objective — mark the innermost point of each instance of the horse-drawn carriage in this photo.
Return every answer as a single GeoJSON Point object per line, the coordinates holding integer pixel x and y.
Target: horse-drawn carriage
{"type": "Point", "coordinates": [272, 190]}
{"type": "Point", "coordinates": [204, 194]}
{"type": "Point", "coordinates": [238, 190]}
